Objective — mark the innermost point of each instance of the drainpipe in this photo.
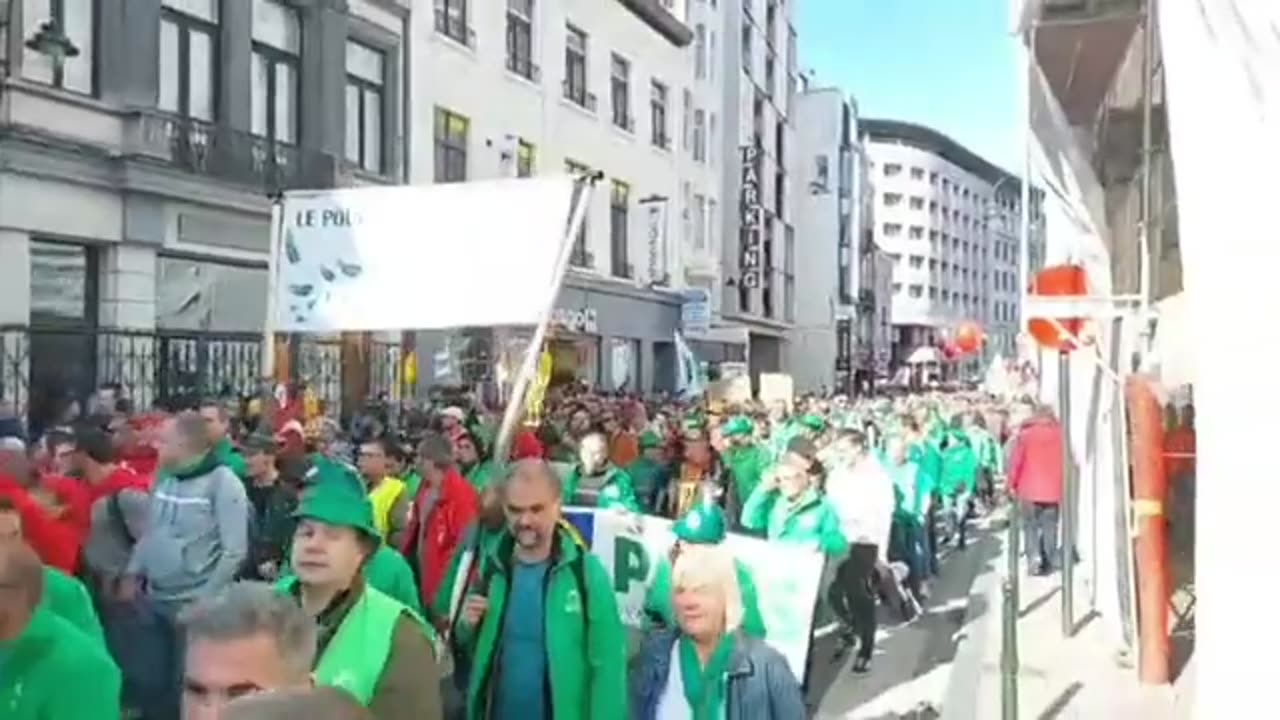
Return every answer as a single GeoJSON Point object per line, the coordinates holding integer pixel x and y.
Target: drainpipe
{"type": "Point", "coordinates": [1146, 260]}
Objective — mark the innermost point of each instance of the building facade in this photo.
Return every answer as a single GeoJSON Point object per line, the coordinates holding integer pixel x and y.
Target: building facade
{"type": "Point", "coordinates": [523, 88]}
{"type": "Point", "coordinates": [832, 342]}
{"type": "Point", "coordinates": [139, 170]}
{"type": "Point", "coordinates": [758, 43]}
{"type": "Point", "coordinates": [948, 220]}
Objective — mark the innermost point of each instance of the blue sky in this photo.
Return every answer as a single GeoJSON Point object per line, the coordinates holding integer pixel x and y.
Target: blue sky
{"type": "Point", "coordinates": [947, 64]}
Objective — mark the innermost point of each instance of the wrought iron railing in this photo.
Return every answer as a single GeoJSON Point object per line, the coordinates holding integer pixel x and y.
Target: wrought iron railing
{"type": "Point", "coordinates": [227, 154]}
{"type": "Point", "coordinates": [43, 367]}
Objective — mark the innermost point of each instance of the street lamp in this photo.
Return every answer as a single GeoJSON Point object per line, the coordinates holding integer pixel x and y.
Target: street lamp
{"type": "Point", "coordinates": [50, 40]}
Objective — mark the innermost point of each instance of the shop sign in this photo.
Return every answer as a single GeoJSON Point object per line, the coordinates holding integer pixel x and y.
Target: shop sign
{"type": "Point", "coordinates": [695, 311]}
{"type": "Point", "coordinates": [655, 220]}
{"type": "Point", "coordinates": [576, 320]}
{"type": "Point", "coordinates": [749, 202]}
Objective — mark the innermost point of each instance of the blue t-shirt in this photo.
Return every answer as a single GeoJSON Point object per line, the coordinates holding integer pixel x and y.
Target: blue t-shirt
{"type": "Point", "coordinates": [521, 691]}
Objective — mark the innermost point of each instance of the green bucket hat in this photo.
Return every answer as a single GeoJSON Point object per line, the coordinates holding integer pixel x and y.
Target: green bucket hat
{"type": "Point", "coordinates": [703, 525]}
{"type": "Point", "coordinates": [737, 426]}
{"type": "Point", "coordinates": [336, 496]}
{"type": "Point", "coordinates": [649, 440]}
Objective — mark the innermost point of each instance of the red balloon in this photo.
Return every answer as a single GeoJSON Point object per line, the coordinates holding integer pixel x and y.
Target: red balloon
{"type": "Point", "coordinates": [968, 337]}
{"type": "Point", "coordinates": [950, 351]}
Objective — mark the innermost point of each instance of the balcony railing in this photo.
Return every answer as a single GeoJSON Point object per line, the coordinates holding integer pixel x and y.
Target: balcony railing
{"type": "Point", "coordinates": [226, 154]}
{"type": "Point", "coordinates": [455, 28]}
{"type": "Point", "coordinates": [524, 67]}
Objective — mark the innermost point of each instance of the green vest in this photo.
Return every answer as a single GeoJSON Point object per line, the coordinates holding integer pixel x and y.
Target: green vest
{"type": "Point", "coordinates": [355, 657]}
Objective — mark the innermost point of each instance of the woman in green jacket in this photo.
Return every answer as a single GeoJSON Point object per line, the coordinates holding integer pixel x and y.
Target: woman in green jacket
{"type": "Point", "coordinates": [788, 508]}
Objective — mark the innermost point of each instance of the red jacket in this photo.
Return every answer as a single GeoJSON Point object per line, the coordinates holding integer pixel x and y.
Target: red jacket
{"type": "Point", "coordinates": [430, 541]}
{"type": "Point", "coordinates": [57, 543]}
{"type": "Point", "coordinates": [1035, 464]}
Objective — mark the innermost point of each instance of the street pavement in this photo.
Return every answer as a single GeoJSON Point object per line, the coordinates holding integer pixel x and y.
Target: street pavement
{"type": "Point", "coordinates": [912, 662]}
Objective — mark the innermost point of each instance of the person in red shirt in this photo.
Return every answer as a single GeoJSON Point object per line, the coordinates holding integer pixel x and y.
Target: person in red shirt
{"type": "Point", "coordinates": [441, 512]}
{"type": "Point", "coordinates": [56, 542]}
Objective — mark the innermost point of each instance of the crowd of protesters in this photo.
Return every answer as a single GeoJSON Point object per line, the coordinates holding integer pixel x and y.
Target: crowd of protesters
{"type": "Point", "coordinates": [165, 564]}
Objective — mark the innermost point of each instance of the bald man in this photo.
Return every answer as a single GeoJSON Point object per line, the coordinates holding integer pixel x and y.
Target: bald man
{"type": "Point", "coordinates": [44, 656]}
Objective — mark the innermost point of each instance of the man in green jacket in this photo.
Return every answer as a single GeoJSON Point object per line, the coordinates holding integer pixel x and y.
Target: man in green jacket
{"type": "Point", "coordinates": [704, 525]}
{"type": "Point", "coordinates": [650, 472]}
{"type": "Point", "coordinates": [542, 620]}
{"type": "Point", "coordinates": [596, 482]}
{"type": "Point", "coordinates": [745, 460]}
{"type": "Point", "coordinates": [369, 645]}
{"type": "Point", "coordinates": [51, 670]}
{"type": "Point", "coordinates": [217, 423]}
{"type": "Point", "coordinates": [788, 508]}
{"type": "Point", "coordinates": [959, 478]}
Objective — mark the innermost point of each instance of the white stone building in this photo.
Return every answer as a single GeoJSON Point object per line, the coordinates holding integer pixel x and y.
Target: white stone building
{"type": "Point", "coordinates": [832, 343]}
{"type": "Point", "coordinates": [948, 219]}
{"type": "Point", "coordinates": [628, 89]}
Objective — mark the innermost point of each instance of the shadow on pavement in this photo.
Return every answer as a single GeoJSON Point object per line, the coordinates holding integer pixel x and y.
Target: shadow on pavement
{"type": "Point", "coordinates": [906, 652]}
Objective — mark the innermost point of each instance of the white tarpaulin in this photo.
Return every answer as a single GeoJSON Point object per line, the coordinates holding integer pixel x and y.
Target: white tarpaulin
{"type": "Point", "coordinates": [1222, 64]}
{"type": "Point", "coordinates": [420, 258]}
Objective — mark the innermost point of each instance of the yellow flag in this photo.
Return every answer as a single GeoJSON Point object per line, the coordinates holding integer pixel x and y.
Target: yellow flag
{"type": "Point", "coordinates": [410, 369]}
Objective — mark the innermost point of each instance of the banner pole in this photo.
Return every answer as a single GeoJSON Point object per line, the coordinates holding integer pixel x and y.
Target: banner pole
{"type": "Point", "coordinates": [267, 369]}
{"type": "Point", "coordinates": [529, 364]}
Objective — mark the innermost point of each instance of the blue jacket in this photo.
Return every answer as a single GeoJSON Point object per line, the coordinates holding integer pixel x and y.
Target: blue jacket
{"type": "Point", "coordinates": [761, 684]}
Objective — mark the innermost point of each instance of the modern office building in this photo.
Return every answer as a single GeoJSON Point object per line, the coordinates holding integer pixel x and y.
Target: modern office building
{"type": "Point", "coordinates": [949, 221]}
{"type": "Point", "coordinates": [142, 143]}
{"type": "Point", "coordinates": [832, 344]}
{"type": "Point", "coordinates": [758, 43]}
{"type": "Point", "coordinates": [629, 89]}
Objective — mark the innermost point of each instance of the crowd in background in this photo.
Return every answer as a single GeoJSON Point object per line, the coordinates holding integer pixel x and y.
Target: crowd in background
{"type": "Point", "coordinates": [394, 557]}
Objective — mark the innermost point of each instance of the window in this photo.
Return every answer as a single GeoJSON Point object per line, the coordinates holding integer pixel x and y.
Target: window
{"type": "Point", "coordinates": [76, 19]}
{"type": "Point", "coordinates": [892, 229]}
{"type": "Point", "coordinates": [277, 45]}
{"type": "Point", "coordinates": [916, 291]}
{"type": "Point", "coordinates": [451, 133]}
{"type": "Point", "coordinates": [699, 136]}
{"type": "Point", "coordinates": [620, 93]}
{"type": "Point", "coordinates": [933, 178]}
{"type": "Point", "coordinates": [892, 199]}
{"type": "Point", "coordinates": [686, 120]}
{"type": "Point", "coordinates": [746, 47]}
{"type": "Point", "coordinates": [917, 173]}
{"type": "Point", "coordinates": [188, 56]}
{"type": "Point", "coordinates": [916, 232]}
{"type": "Point", "coordinates": [658, 114]}
{"type": "Point", "coordinates": [711, 55]}
{"type": "Point", "coordinates": [711, 138]}
{"type": "Point", "coordinates": [933, 293]}
{"type": "Point", "coordinates": [520, 39]}
{"type": "Point", "coordinates": [917, 203]}
{"type": "Point", "coordinates": [526, 159]}
{"type": "Point", "coordinates": [451, 21]}
{"type": "Point", "coordinates": [897, 288]}
{"type": "Point", "coordinates": [619, 202]}
{"type": "Point", "coordinates": [917, 261]}
{"type": "Point", "coordinates": [699, 222]}
{"type": "Point", "coordinates": [891, 169]}
{"type": "Point", "coordinates": [580, 257]}
{"type": "Point", "coordinates": [575, 69]}
{"type": "Point", "coordinates": [365, 104]}
{"type": "Point", "coordinates": [933, 207]}
{"type": "Point", "coordinates": [700, 51]}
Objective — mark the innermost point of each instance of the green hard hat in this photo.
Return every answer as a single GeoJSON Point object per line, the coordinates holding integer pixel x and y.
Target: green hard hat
{"type": "Point", "coordinates": [736, 426]}
{"type": "Point", "coordinates": [335, 496]}
{"type": "Point", "coordinates": [703, 525]}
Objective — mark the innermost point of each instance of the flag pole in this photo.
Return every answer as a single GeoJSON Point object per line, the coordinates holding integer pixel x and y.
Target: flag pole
{"type": "Point", "coordinates": [529, 364]}
{"type": "Point", "coordinates": [267, 354]}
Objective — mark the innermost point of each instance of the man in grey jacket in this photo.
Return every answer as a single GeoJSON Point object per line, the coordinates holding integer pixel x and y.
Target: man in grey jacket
{"type": "Point", "coordinates": [194, 544]}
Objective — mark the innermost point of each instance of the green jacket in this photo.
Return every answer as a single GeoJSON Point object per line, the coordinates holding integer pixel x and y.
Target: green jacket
{"type": "Point", "coordinates": [477, 538]}
{"type": "Point", "coordinates": [746, 465]}
{"type": "Point", "coordinates": [990, 456]}
{"type": "Point", "coordinates": [480, 475]}
{"type": "Point", "coordinates": [959, 465]}
{"type": "Point", "coordinates": [53, 671]}
{"type": "Point", "coordinates": [227, 455]}
{"type": "Point", "coordinates": [657, 600]}
{"type": "Point", "coordinates": [928, 460]}
{"type": "Point", "coordinates": [68, 598]}
{"type": "Point", "coordinates": [647, 478]}
{"type": "Point", "coordinates": [586, 656]}
{"type": "Point", "coordinates": [617, 492]}
{"type": "Point", "coordinates": [810, 520]}
{"type": "Point", "coordinates": [388, 572]}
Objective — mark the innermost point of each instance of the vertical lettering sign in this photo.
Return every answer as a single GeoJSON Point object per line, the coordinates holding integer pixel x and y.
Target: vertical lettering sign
{"type": "Point", "coordinates": [749, 261]}
{"type": "Point", "coordinates": [656, 236]}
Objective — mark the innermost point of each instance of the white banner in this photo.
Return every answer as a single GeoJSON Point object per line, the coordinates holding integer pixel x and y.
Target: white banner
{"type": "Point", "coordinates": [787, 577]}
{"type": "Point", "coordinates": [420, 258]}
